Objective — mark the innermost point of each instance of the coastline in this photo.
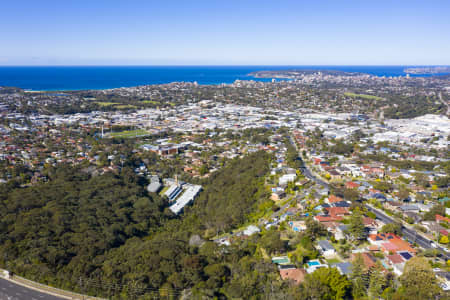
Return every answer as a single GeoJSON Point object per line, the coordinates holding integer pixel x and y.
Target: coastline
{"type": "Point", "coordinates": [80, 78]}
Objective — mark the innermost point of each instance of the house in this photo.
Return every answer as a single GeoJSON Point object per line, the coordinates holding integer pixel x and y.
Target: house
{"type": "Point", "coordinates": [331, 226]}
{"type": "Point", "coordinates": [444, 278]}
{"type": "Point", "coordinates": [368, 259]}
{"type": "Point", "coordinates": [302, 204]}
{"type": "Point", "coordinates": [433, 227]}
{"type": "Point", "coordinates": [294, 274]}
{"type": "Point", "coordinates": [425, 207]}
{"type": "Point", "coordinates": [223, 241]}
{"type": "Point", "coordinates": [351, 185]}
{"type": "Point", "coordinates": [287, 178]}
{"type": "Point", "coordinates": [341, 232]}
{"type": "Point", "coordinates": [278, 195]}
{"type": "Point", "coordinates": [332, 199]}
{"type": "Point", "coordinates": [440, 219]}
{"type": "Point", "coordinates": [345, 268]}
{"type": "Point", "coordinates": [396, 262]}
{"type": "Point", "coordinates": [337, 211]}
{"type": "Point", "coordinates": [378, 196]}
{"type": "Point", "coordinates": [373, 248]}
{"type": "Point", "coordinates": [370, 224]}
{"type": "Point", "coordinates": [326, 248]}
{"type": "Point", "coordinates": [328, 218]}
{"type": "Point", "coordinates": [376, 172]}
{"type": "Point", "coordinates": [409, 208]}
{"type": "Point", "coordinates": [250, 230]}
{"type": "Point", "coordinates": [391, 205]}
{"type": "Point", "coordinates": [334, 175]}
{"type": "Point", "coordinates": [342, 204]}
{"type": "Point", "coordinates": [154, 187]}
{"type": "Point", "coordinates": [390, 243]}
{"type": "Point", "coordinates": [413, 215]}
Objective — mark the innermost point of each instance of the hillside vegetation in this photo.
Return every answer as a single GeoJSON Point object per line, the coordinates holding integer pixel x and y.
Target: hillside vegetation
{"type": "Point", "coordinates": [105, 235]}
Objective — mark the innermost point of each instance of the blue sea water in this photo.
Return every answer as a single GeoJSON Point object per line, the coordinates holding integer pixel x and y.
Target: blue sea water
{"type": "Point", "coordinates": [104, 77]}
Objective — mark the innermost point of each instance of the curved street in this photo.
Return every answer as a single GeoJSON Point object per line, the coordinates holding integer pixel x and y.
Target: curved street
{"type": "Point", "coordinates": [12, 291]}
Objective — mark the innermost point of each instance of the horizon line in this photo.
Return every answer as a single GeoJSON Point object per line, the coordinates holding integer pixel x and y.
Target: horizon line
{"type": "Point", "coordinates": [228, 65]}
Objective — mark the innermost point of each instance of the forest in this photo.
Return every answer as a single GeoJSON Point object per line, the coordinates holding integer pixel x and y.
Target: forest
{"type": "Point", "coordinates": [105, 235]}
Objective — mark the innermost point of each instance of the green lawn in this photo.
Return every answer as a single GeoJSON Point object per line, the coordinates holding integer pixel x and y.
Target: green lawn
{"type": "Point", "coordinates": [151, 102]}
{"type": "Point", "coordinates": [106, 103]}
{"type": "Point", "coordinates": [115, 104]}
{"type": "Point", "coordinates": [333, 261]}
{"type": "Point", "coordinates": [125, 106]}
{"type": "Point", "coordinates": [363, 96]}
{"type": "Point", "coordinates": [129, 133]}
{"type": "Point", "coordinates": [163, 191]}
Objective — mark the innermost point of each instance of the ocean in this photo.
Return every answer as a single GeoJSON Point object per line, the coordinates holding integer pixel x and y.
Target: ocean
{"type": "Point", "coordinates": [51, 78]}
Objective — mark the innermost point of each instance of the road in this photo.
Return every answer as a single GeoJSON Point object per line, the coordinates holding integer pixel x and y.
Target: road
{"type": "Point", "coordinates": [285, 206]}
{"type": "Point", "coordinates": [306, 171]}
{"type": "Point", "coordinates": [13, 291]}
{"type": "Point", "coordinates": [310, 175]}
{"type": "Point", "coordinates": [409, 233]}
{"type": "Point", "coordinates": [445, 103]}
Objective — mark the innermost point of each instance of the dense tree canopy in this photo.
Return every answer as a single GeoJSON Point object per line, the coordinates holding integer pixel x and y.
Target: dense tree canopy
{"type": "Point", "coordinates": [109, 234]}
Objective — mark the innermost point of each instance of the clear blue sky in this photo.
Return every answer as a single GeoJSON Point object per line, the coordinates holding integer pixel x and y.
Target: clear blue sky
{"type": "Point", "coordinates": [170, 32]}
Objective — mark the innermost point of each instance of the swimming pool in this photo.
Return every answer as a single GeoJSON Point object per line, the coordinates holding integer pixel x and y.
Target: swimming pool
{"type": "Point", "coordinates": [312, 263]}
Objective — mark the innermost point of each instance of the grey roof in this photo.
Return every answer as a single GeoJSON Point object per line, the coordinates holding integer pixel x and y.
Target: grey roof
{"type": "Point", "coordinates": [409, 207]}
{"type": "Point", "coordinates": [344, 268]}
{"type": "Point", "coordinates": [325, 245]}
{"type": "Point", "coordinates": [343, 227]}
{"type": "Point", "coordinates": [188, 196]}
{"type": "Point", "coordinates": [154, 187]}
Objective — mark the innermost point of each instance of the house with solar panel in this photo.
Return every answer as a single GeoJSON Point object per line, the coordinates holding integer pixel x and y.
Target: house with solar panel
{"type": "Point", "coordinates": [397, 261]}
{"type": "Point", "coordinates": [390, 243]}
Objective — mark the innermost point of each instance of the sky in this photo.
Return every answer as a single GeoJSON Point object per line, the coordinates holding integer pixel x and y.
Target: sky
{"type": "Point", "coordinates": [225, 32]}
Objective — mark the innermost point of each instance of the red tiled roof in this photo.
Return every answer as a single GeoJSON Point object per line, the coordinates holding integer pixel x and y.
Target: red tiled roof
{"type": "Point", "coordinates": [368, 259]}
{"type": "Point", "coordinates": [333, 199]}
{"type": "Point", "coordinates": [393, 242]}
{"type": "Point", "coordinates": [337, 211]}
{"type": "Point", "coordinates": [389, 247]}
{"type": "Point", "coordinates": [328, 218]}
{"type": "Point", "coordinates": [441, 218]}
{"type": "Point", "coordinates": [368, 221]}
{"type": "Point", "coordinates": [403, 245]}
{"type": "Point", "coordinates": [395, 258]}
{"type": "Point", "coordinates": [351, 185]}
{"type": "Point", "coordinates": [382, 236]}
